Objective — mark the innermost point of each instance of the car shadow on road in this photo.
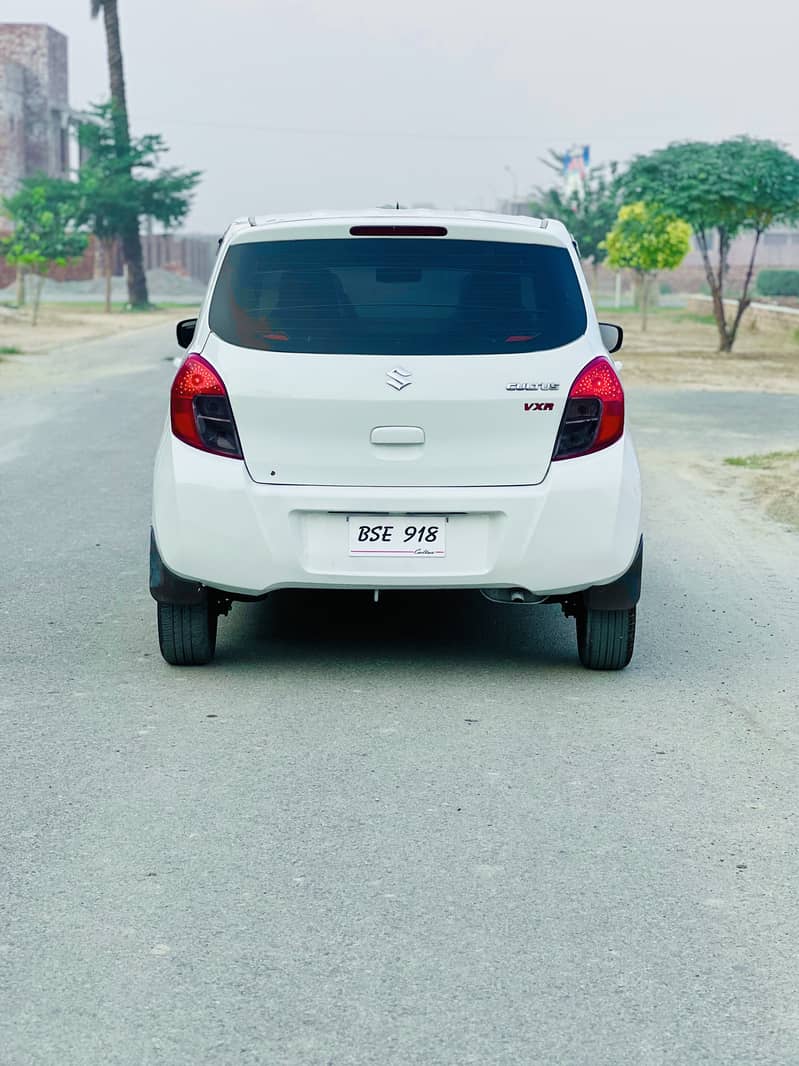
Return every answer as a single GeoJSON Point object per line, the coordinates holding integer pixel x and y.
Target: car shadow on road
{"type": "Point", "coordinates": [430, 628]}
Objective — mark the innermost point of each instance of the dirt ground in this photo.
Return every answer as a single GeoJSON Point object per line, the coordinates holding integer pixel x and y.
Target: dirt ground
{"type": "Point", "coordinates": [61, 326]}
{"type": "Point", "coordinates": [679, 350]}
{"type": "Point", "coordinates": [770, 481]}
{"type": "Point", "coordinates": [777, 492]}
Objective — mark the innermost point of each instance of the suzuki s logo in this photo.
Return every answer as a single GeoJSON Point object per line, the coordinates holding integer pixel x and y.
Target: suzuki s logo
{"type": "Point", "coordinates": [539, 407]}
{"type": "Point", "coordinates": [399, 378]}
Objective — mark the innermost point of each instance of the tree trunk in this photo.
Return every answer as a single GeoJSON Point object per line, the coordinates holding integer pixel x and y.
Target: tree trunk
{"type": "Point", "coordinates": [721, 320]}
{"type": "Point", "coordinates": [98, 266]}
{"type": "Point", "coordinates": [20, 285]}
{"type": "Point", "coordinates": [744, 301]}
{"type": "Point", "coordinates": [725, 344]}
{"type": "Point", "coordinates": [131, 244]}
{"type": "Point", "coordinates": [134, 264]}
{"type": "Point", "coordinates": [37, 296]}
{"type": "Point", "coordinates": [716, 289]}
{"type": "Point", "coordinates": [644, 300]}
{"type": "Point", "coordinates": [116, 72]}
{"type": "Point", "coordinates": [108, 263]}
{"type": "Point", "coordinates": [635, 286]}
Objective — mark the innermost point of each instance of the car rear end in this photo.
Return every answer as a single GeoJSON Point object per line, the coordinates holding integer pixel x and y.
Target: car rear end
{"type": "Point", "coordinates": [390, 401]}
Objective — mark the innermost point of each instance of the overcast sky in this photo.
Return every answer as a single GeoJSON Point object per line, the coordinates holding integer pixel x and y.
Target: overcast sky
{"type": "Point", "coordinates": [305, 103]}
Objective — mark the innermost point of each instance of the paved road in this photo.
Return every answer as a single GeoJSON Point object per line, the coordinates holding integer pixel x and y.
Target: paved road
{"type": "Point", "coordinates": [388, 834]}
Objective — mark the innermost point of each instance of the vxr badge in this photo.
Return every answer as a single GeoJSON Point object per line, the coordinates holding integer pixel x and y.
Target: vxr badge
{"type": "Point", "coordinates": [539, 407]}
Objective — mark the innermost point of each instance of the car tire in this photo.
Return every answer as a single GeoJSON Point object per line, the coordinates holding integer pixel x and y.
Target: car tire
{"type": "Point", "coordinates": [605, 639]}
{"type": "Point", "coordinates": [187, 633]}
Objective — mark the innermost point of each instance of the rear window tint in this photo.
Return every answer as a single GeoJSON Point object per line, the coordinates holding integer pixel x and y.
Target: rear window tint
{"type": "Point", "coordinates": [397, 296]}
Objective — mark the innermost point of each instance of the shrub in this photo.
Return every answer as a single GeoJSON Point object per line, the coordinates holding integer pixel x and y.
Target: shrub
{"type": "Point", "coordinates": [778, 282]}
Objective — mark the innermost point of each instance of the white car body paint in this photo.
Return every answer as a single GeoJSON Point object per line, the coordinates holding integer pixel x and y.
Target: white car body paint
{"type": "Point", "coordinates": [327, 436]}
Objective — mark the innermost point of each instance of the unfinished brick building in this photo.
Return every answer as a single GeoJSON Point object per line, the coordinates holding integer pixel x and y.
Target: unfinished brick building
{"type": "Point", "coordinates": [37, 128]}
{"type": "Point", "coordinates": [34, 103]}
{"type": "Point", "coordinates": [38, 132]}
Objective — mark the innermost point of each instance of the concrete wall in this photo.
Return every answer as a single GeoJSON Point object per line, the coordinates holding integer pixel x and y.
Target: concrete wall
{"type": "Point", "coordinates": [758, 316]}
{"type": "Point", "coordinates": [779, 247]}
{"type": "Point", "coordinates": [190, 255]}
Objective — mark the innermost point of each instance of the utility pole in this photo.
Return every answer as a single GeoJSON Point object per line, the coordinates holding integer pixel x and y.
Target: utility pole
{"type": "Point", "coordinates": [515, 185]}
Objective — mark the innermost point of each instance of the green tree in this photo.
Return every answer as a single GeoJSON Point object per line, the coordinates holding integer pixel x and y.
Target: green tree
{"type": "Point", "coordinates": [646, 238]}
{"type": "Point", "coordinates": [590, 217]}
{"type": "Point", "coordinates": [113, 189]}
{"type": "Point", "coordinates": [129, 234]}
{"type": "Point", "coordinates": [720, 189]}
{"type": "Point", "coordinates": [44, 212]}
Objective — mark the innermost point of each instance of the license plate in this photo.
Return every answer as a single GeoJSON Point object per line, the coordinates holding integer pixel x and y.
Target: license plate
{"type": "Point", "coordinates": [421, 536]}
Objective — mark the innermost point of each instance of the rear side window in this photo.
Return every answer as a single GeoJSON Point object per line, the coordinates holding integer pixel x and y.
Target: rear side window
{"type": "Point", "coordinates": [397, 296]}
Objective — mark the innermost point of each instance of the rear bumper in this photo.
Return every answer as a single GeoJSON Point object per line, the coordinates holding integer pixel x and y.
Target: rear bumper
{"type": "Point", "coordinates": [213, 525]}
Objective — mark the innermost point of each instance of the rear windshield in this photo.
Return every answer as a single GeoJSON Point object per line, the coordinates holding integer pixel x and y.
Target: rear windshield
{"type": "Point", "coordinates": [397, 296]}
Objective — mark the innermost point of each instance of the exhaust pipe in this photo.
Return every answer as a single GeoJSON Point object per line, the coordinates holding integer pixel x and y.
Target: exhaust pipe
{"type": "Point", "coordinates": [512, 595]}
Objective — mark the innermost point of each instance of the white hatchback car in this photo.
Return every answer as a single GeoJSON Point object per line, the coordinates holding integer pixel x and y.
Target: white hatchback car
{"type": "Point", "coordinates": [397, 401]}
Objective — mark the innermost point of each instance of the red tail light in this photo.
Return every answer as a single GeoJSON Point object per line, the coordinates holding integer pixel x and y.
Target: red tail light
{"type": "Point", "coordinates": [200, 410]}
{"type": "Point", "coordinates": [594, 415]}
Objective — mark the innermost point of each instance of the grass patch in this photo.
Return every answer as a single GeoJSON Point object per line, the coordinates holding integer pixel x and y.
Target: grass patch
{"type": "Point", "coordinates": [10, 349]}
{"type": "Point", "coordinates": [762, 462]}
{"type": "Point", "coordinates": [690, 316]}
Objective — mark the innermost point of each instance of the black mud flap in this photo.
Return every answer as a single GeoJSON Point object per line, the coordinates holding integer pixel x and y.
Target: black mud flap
{"type": "Point", "coordinates": [621, 594]}
{"type": "Point", "coordinates": [167, 587]}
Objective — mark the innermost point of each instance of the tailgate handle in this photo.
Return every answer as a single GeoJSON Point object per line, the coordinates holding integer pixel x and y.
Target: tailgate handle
{"type": "Point", "coordinates": [397, 435]}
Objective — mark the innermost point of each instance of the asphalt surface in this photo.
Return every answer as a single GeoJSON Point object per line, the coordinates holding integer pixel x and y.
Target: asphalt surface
{"type": "Point", "coordinates": [411, 833]}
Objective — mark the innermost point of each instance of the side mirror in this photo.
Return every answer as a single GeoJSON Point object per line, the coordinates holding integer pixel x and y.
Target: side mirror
{"type": "Point", "coordinates": [612, 336]}
{"type": "Point", "coordinates": [185, 331]}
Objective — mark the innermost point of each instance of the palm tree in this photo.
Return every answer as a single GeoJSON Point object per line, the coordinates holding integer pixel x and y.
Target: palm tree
{"type": "Point", "coordinates": [131, 242]}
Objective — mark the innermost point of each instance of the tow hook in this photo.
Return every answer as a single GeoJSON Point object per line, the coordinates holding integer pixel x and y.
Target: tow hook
{"type": "Point", "coordinates": [223, 604]}
{"type": "Point", "coordinates": [571, 606]}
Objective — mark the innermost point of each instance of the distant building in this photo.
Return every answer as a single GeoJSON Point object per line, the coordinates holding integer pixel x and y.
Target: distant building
{"type": "Point", "coordinates": [517, 206]}
{"type": "Point", "coordinates": [779, 247]}
{"type": "Point", "coordinates": [36, 128]}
